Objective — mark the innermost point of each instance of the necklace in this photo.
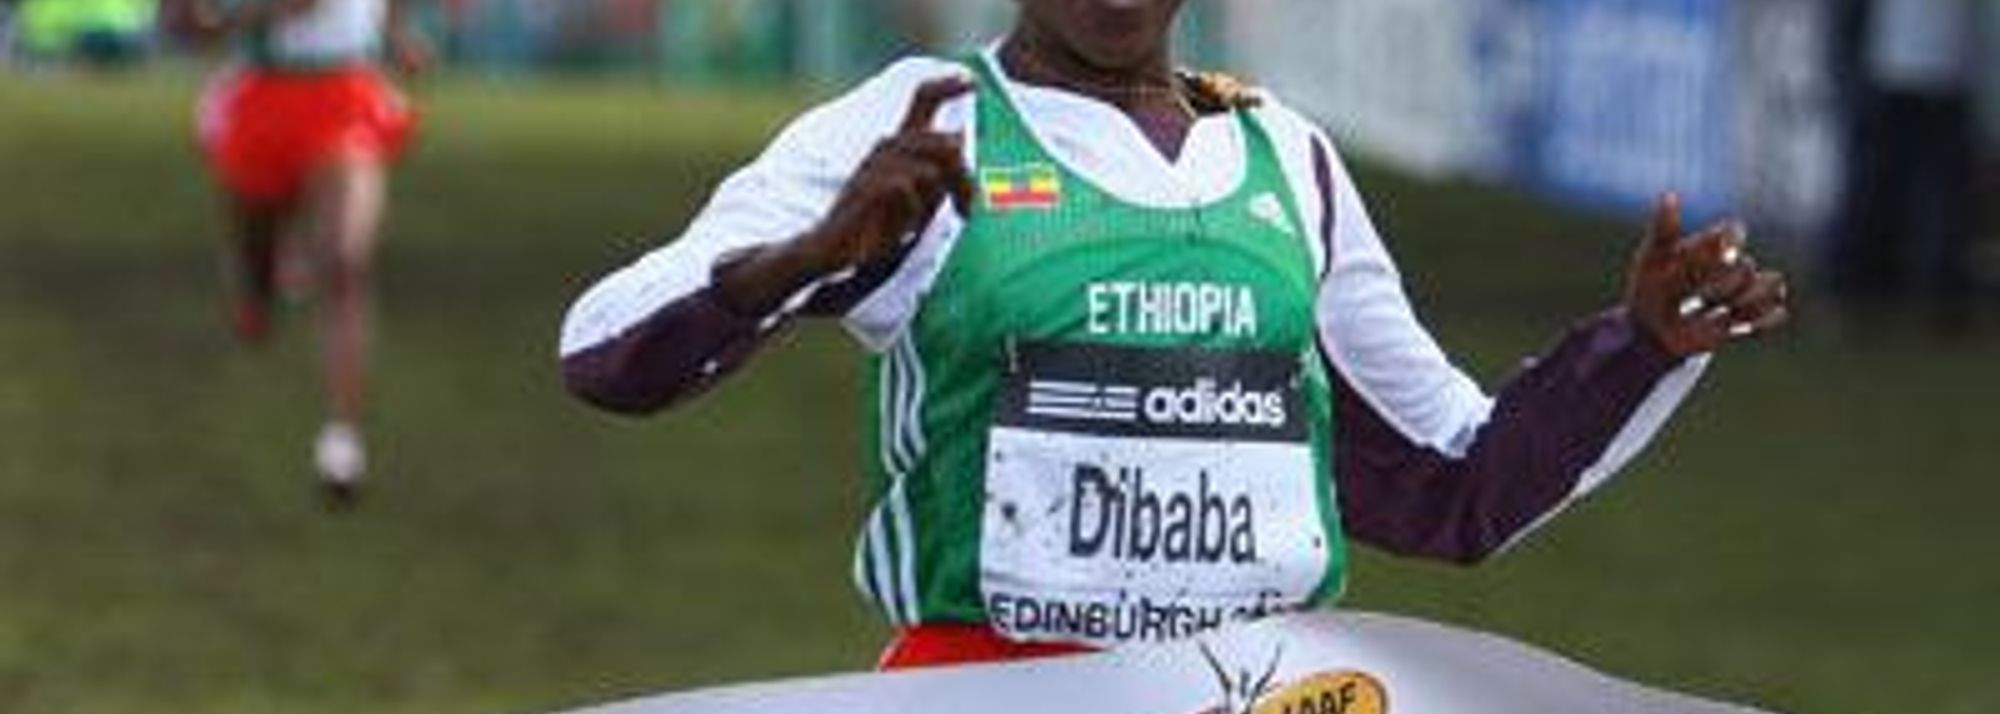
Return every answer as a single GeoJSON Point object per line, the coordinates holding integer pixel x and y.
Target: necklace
{"type": "Point", "coordinates": [1174, 88]}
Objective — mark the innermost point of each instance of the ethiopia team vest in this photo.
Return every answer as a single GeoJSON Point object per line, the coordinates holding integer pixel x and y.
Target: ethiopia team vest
{"type": "Point", "coordinates": [1106, 423]}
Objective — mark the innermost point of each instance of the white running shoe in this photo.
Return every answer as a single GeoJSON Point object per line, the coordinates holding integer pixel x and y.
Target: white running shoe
{"type": "Point", "coordinates": [339, 454]}
{"type": "Point", "coordinates": [341, 459]}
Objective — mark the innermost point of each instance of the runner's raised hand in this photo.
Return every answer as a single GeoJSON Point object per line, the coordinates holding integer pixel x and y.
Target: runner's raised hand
{"type": "Point", "coordinates": [898, 187]}
{"type": "Point", "coordinates": [1696, 293]}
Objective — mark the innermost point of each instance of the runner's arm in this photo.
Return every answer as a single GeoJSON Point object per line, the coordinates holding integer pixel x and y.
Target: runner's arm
{"type": "Point", "coordinates": [408, 51]}
{"type": "Point", "coordinates": [661, 330]}
{"type": "Point", "coordinates": [687, 315]}
{"type": "Point", "coordinates": [209, 20]}
{"type": "Point", "coordinates": [1429, 465]}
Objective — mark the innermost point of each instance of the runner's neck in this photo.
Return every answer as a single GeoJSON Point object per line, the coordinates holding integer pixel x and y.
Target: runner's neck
{"type": "Point", "coordinates": [1154, 99]}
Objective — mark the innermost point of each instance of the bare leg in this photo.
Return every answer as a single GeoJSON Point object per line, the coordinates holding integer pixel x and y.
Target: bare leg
{"type": "Point", "coordinates": [345, 201]}
{"type": "Point", "coordinates": [253, 256]}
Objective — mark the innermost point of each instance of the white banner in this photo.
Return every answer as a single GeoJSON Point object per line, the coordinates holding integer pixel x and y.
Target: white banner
{"type": "Point", "coordinates": [1790, 159]}
{"type": "Point", "coordinates": [1392, 78]}
{"type": "Point", "coordinates": [1314, 663]}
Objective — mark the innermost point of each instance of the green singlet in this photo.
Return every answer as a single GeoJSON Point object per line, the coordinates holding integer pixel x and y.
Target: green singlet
{"type": "Point", "coordinates": [1107, 422]}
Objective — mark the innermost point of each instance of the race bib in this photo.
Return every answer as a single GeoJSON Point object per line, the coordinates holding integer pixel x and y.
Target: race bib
{"type": "Point", "coordinates": [1141, 494]}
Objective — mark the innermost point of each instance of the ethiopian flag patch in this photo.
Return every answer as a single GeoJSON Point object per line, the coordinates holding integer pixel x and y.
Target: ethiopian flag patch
{"type": "Point", "coordinates": [1033, 186]}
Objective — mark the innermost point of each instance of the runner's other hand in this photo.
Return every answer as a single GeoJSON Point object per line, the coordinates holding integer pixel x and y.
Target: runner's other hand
{"type": "Point", "coordinates": [898, 187]}
{"type": "Point", "coordinates": [1696, 293]}
{"type": "Point", "coordinates": [197, 22]}
{"type": "Point", "coordinates": [409, 53]}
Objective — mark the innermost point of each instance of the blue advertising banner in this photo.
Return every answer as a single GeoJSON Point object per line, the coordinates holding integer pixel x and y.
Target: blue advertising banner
{"type": "Point", "coordinates": [1635, 98]}
{"type": "Point", "coordinates": [1600, 104]}
{"type": "Point", "coordinates": [1506, 46]}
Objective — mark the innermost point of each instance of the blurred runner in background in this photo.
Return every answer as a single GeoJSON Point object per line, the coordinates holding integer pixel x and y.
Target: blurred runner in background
{"type": "Point", "coordinates": [300, 130]}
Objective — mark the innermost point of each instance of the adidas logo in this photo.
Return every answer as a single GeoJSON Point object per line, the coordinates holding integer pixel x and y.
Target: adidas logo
{"type": "Point", "coordinates": [1204, 403]}
{"type": "Point", "coordinates": [1267, 208]}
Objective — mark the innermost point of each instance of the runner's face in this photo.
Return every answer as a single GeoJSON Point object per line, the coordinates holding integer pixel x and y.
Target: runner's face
{"type": "Point", "coordinates": [1106, 34]}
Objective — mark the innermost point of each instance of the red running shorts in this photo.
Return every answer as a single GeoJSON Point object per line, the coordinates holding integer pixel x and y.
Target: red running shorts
{"type": "Point", "coordinates": [264, 132]}
{"type": "Point", "coordinates": [938, 645]}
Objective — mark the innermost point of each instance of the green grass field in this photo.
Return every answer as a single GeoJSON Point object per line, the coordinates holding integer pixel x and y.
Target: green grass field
{"type": "Point", "coordinates": [1812, 534]}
